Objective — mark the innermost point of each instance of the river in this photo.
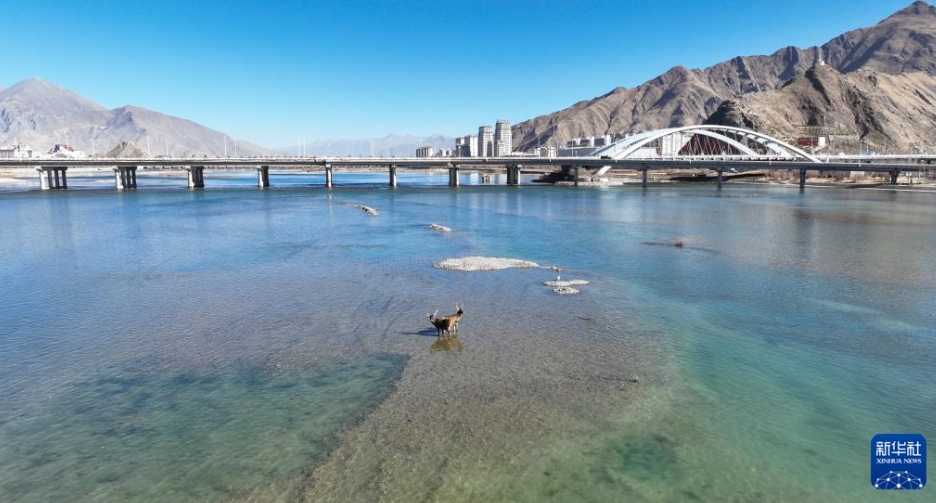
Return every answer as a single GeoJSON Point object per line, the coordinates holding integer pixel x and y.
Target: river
{"type": "Point", "coordinates": [236, 344]}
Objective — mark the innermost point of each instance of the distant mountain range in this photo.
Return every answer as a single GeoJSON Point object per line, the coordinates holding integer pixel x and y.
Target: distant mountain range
{"type": "Point", "coordinates": [876, 84]}
{"type": "Point", "coordinates": [41, 114]}
{"type": "Point", "coordinates": [393, 145]}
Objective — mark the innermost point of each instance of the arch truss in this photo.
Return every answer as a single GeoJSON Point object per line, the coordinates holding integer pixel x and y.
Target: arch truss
{"type": "Point", "coordinates": [705, 141]}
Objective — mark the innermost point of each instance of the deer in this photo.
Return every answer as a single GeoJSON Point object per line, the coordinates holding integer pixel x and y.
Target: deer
{"type": "Point", "coordinates": [447, 325]}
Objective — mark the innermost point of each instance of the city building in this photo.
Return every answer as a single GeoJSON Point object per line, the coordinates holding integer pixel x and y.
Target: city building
{"type": "Point", "coordinates": [603, 141]}
{"type": "Point", "coordinates": [425, 152]}
{"type": "Point", "coordinates": [503, 140]}
{"type": "Point", "coordinates": [490, 142]}
{"type": "Point", "coordinates": [546, 151]}
{"type": "Point", "coordinates": [485, 141]}
{"type": "Point", "coordinates": [17, 151]}
{"type": "Point", "coordinates": [673, 144]}
{"type": "Point", "coordinates": [585, 141]}
{"type": "Point", "coordinates": [465, 146]}
{"type": "Point", "coordinates": [62, 150]}
{"type": "Point", "coordinates": [470, 147]}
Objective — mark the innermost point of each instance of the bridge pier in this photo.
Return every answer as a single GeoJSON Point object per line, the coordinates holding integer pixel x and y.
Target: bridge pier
{"type": "Point", "coordinates": [575, 175]}
{"type": "Point", "coordinates": [125, 177]}
{"type": "Point", "coordinates": [721, 172]}
{"type": "Point", "coordinates": [802, 178]}
{"type": "Point", "coordinates": [393, 175]}
{"type": "Point", "coordinates": [53, 177]}
{"type": "Point", "coordinates": [513, 174]}
{"type": "Point", "coordinates": [263, 177]}
{"type": "Point", "coordinates": [328, 176]}
{"type": "Point", "coordinates": [196, 177]}
{"type": "Point", "coordinates": [893, 176]}
{"type": "Point", "coordinates": [643, 182]}
{"type": "Point", "coordinates": [453, 176]}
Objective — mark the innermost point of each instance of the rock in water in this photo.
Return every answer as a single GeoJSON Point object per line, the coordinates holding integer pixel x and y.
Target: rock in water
{"type": "Point", "coordinates": [366, 209]}
{"type": "Point", "coordinates": [471, 264]}
{"type": "Point", "coordinates": [563, 284]}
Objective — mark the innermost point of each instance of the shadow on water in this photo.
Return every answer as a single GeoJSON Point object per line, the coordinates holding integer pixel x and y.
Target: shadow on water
{"type": "Point", "coordinates": [425, 332]}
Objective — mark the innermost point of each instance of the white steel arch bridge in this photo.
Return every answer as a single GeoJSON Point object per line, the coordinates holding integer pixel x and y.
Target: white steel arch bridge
{"type": "Point", "coordinates": [702, 142]}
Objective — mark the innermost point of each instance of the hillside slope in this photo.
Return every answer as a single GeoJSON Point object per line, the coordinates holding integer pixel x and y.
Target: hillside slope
{"type": "Point", "coordinates": [904, 42]}
{"type": "Point", "coordinates": [42, 114]}
{"type": "Point", "coordinates": [887, 112]}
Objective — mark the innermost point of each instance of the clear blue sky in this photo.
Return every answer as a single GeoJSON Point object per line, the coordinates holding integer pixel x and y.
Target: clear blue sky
{"type": "Point", "coordinates": [273, 71]}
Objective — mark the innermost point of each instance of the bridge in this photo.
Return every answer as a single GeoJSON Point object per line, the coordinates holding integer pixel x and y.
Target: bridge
{"type": "Point", "coordinates": [703, 140]}
{"type": "Point", "coordinates": [716, 148]}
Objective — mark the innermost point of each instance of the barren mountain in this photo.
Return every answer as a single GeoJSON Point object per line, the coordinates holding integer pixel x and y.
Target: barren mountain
{"type": "Point", "coordinates": [888, 112]}
{"type": "Point", "coordinates": [42, 114]}
{"type": "Point", "coordinates": [126, 149]}
{"type": "Point", "coordinates": [903, 42]}
{"type": "Point", "coordinates": [33, 110]}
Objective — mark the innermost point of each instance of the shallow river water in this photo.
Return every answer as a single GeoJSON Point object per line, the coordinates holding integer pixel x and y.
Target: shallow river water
{"type": "Point", "coordinates": [236, 344]}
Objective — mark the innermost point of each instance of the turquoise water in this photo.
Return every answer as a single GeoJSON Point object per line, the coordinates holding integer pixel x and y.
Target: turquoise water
{"type": "Point", "coordinates": [232, 343]}
{"type": "Point", "coordinates": [186, 435]}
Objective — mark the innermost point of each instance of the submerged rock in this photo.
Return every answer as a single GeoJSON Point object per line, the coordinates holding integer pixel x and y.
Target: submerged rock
{"type": "Point", "coordinates": [366, 209]}
{"type": "Point", "coordinates": [566, 290]}
{"type": "Point", "coordinates": [439, 228]}
{"type": "Point", "coordinates": [471, 264]}
{"type": "Point", "coordinates": [561, 284]}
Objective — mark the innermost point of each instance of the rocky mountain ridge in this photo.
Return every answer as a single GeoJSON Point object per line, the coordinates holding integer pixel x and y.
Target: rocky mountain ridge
{"type": "Point", "coordinates": [862, 110]}
{"type": "Point", "coordinates": [41, 114]}
{"type": "Point", "coordinates": [903, 43]}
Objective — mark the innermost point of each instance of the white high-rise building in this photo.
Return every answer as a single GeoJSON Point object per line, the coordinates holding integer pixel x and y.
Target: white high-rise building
{"type": "Point", "coordinates": [425, 152]}
{"type": "Point", "coordinates": [503, 139]}
{"type": "Point", "coordinates": [466, 146]}
{"type": "Point", "coordinates": [471, 141]}
{"type": "Point", "coordinates": [485, 141]}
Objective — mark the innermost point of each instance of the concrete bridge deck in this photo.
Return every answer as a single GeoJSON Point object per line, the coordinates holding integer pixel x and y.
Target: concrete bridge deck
{"type": "Point", "coordinates": [52, 172]}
